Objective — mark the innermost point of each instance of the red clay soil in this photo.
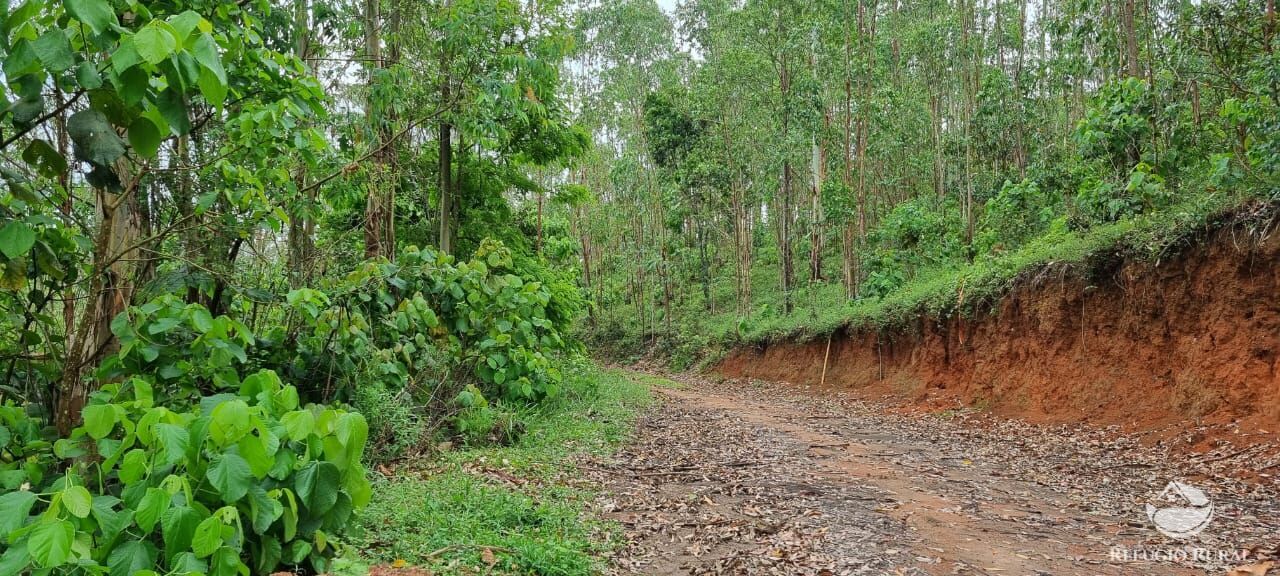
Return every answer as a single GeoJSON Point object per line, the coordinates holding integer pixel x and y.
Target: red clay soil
{"type": "Point", "coordinates": [1163, 348]}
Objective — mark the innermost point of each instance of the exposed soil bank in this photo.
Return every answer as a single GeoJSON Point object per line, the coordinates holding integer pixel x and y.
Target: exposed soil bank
{"type": "Point", "coordinates": [1161, 347]}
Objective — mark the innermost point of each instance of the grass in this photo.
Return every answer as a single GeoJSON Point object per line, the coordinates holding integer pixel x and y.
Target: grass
{"type": "Point", "coordinates": [452, 516]}
{"type": "Point", "coordinates": [966, 289]}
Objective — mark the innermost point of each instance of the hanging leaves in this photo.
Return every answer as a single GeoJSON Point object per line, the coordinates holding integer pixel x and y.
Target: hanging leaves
{"type": "Point", "coordinates": [16, 239]}
{"type": "Point", "coordinates": [98, 15]}
{"type": "Point", "coordinates": [154, 42]}
{"type": "Point", "coordinates": [96, 141]}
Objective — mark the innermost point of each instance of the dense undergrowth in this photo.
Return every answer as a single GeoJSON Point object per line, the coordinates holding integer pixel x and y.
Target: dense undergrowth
{"type": "Point", "coordinates": [771, 189]}
{"type": "Point", "coordinates": [938, 292]}
{"type": "Point", "coordinates": [515, 509]}
{"type": "Point", "coordinates": [214, 317]}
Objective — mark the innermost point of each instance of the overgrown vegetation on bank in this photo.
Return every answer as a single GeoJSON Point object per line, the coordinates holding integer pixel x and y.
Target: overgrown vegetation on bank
{"type": "Point", "coordinates": [806, 167]}
{"type": "Point", "coordinates": [518, 508]}
{"type": "Point", "coordinates": [937, 293]}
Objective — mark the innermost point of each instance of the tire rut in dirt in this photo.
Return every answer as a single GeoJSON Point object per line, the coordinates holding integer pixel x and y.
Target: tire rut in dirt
{"type": "Point", "coordinates": [700, 491]}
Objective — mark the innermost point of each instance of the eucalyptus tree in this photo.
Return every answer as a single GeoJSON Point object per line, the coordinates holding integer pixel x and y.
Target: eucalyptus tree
{"type": "Point", "coordinates": [629, 49]}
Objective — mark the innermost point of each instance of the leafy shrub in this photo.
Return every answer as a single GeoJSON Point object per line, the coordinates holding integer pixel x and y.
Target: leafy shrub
{"type": "Point", "coordinates": [190, 350]}
{"type": "Point", "coordinates": [490, 324]}
{"type": "Point", "coordinates": [479, 423]}
{"type": "Point", "coordinates": [1116, 123]}
{"type": "Point", "coordinates": [1016, 213]}
{"type": "Point", "coordinates": [411, 333]}
{"type": "Point", "coordinates": [919, 233]}
{"type": "Point", "coordinates": [1100, 201]}
{"type": "Point", "coordinates": [241, 482]}
{"type": "Point", "coordinates": [25, 448]}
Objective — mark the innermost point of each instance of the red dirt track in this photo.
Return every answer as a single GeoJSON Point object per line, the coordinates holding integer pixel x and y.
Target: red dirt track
{"type": "Point", "coordinates": [1188, 343]}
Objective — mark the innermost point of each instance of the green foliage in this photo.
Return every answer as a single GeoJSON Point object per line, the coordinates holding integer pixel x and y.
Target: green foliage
{"type": "Point", "coordinates": [1117, 123]}
{"type": "Point", "coordinates": [1101, 201]}
{"type": "Point", "coordinates": [540, 527]}
{"type": "Point", "coordinates": [239, 483]}
{"type": "Point", "coordinates": [917, 234]}
{"type": "Point", "coordinates": [1018, 212]}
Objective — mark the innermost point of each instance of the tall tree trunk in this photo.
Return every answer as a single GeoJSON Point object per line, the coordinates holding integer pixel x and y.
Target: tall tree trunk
{"type": "Point", "coordinates": [1269, 29]}
{"type": "Point", "coordinates": [1020, 150]}
{"type": "Point", "coordinates": [815, 204]}
{"type": "Point", "coordinates": [1127, 16]}
{"type": "Point", "coordinates": [939, 166]}
{"type": "Point", "coordinates": [379, 231]}
{"type": "Point", "coordinates": [446, 150]}
{"type": "Point", "coordinates": [785, 211]}
{"type": "Point", "coordinates": [111, 292]}
{"type": "Point", "coordinates": [301, 224]}
{"type": "Point", "coordinates": [866, 27]}
{"type": "Point", "coordinates": [848, 250]}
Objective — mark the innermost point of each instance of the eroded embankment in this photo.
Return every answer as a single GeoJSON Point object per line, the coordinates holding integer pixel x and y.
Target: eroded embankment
{"type": "Point", "coordinates": [1194, 339]}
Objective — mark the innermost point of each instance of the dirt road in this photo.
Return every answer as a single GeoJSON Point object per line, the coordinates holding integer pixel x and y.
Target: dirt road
{"type": "Point", "coordinates": [757, 478]}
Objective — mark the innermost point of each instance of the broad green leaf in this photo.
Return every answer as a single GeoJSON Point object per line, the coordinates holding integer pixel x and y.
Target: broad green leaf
{"type": "Point", "coordinates": [205, 50]}
{"type": "Point", "coordinates": [264, 508]}
{"type": "Point", "coordinates": [99, 420]}
{"type": "Point", "coordinates": [154, 43]}
{"type": "Point", "coordinates": [110, 521]}
{"type": "Point", "coordinates": [132, 557]}
{"type": "Point", "coordinates": [299, 424]}
{"type": "Point", "coordinates": [178, 526]}
{"type": "Point", "coordinates": [173, 441]}
{"type": "Point", "coordinates": [54, 51]}
{"type": "Point", "coordinates": [213, 89]}
{"type": "Point", "coordinates": [201, 320]}
{"type": "Point", "coordinates": [145, 137]}
{"type": "Point", "coordinates": [126, 59]}
{"type": "Point", "coordinates": [15, 560]}
{"type": "Point", "coordinates": [185, 23]}
{"type": "Point", "coordinates": [173, 107]}
{"type": "Point", "coordinates": [50, 542]}
{"type": "Point", "coordinates": [317, 484]}
{"type": "Point", "coordinates": [27, 109]}
{"type": "Point", "coordinates": [254, 451]}
{"type": "Point", "coordinates": [87, 76]}
{"type": "Point", "coordinates": [95, 140]}
{"type": "Point", "coordinates": [207, 537]}
{"type": "Point", "coordinates": [16, 239]}
{"type": "Point", "coordinates": [134, 466]}
{"type": "Point", "coordinates": [47, 160]}
{"type": "Point", "coordinates": [11, 479]}
{"type": "Point", "coordinates": [14, 508]}
{"type": "Point", "coordinates": [298, 551]}
{"type": "Point", "coordinates": [359, 488]}
{"type": "Point", "coordinates": [270, 555]}
{"type": "Point", "coordinates": [230, 422]}
{"type": "Point", "coordinates": [152, 507]}
{"type": "Point", "coordinates": [77, 501]}
{"type": "Point", "coordinates": [164, 324]}
{"type": "Point", "coordinates": [21, 60]}
{"type": "Point", "coordinates": [226, 562]}
{"type": "Point", "coordinates": [188, 563]}
{"type": "Point", "coordinates": [98, 15]}
{"type": "Point", "coordinates": [231, 475]}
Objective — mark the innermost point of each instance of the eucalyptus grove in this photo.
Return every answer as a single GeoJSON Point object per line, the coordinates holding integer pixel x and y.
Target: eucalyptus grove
{"type": "Point", "coordinates": [888, 139]}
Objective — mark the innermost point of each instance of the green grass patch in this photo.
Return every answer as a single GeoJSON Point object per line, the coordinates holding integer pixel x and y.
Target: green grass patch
{"type": "Point", "coordinates": [444, 517]}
